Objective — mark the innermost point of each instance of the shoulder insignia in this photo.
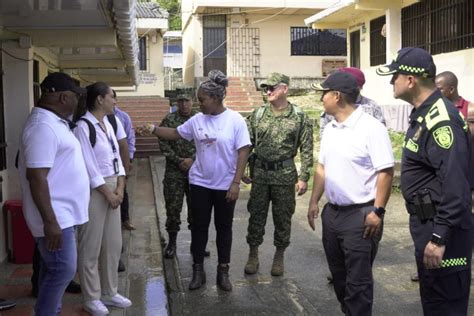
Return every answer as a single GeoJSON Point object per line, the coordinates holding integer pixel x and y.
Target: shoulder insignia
{"type": "Point", "coordinates": [411, 145]}
{"type": "Point", "coordinates": [436, 114]}
{"type": "Point", "coordinates": [444, 137]}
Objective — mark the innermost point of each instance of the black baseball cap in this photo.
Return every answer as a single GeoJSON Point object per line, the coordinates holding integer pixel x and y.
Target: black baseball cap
{"type": "Point", "coordinates": [338, 81]}
{"type": "Point", "coordinates": [59, 81]}
{"type": "Point", "coordinates": [410, 61]}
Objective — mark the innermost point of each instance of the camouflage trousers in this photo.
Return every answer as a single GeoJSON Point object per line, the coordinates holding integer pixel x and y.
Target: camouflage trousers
{"type": "Point", "coordinates": [283, 208]}
{"type": "Point", "coordinates": [174, 190]}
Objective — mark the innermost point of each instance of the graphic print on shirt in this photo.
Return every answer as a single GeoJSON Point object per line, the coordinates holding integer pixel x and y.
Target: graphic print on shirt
{"type": "Point", "coordinates": [208, 140]}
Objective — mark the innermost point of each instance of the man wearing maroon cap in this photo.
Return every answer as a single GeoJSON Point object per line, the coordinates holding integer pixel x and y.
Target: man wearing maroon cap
{"type": "Point", "coordinates": [367, 105]}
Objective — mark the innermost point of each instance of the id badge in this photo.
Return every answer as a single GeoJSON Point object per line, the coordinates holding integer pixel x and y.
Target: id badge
{"type": "Point", "coordinates": [116, 166]}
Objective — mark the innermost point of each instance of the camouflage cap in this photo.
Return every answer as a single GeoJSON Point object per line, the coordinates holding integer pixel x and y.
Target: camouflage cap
{"type": "Point", "coordinates": [184, 96]}
{"type": "Point", "coordinates": [275, 78]}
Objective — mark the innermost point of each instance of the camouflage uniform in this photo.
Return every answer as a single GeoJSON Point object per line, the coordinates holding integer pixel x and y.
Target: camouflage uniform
{"type": "Point", "coordinates": [275, 137]}
{"type": "Point", "coordinates": [175, 182]}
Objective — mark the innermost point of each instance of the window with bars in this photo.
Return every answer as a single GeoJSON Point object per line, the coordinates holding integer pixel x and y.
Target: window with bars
{"type": "Point", "coordinates": [310, 42]}
{"type": "Point", "coordinates": [439, 26]}
{"type": "Point", "coordinates": [142, 53]}
{"type": "Point", "coordinates": [378, 43]}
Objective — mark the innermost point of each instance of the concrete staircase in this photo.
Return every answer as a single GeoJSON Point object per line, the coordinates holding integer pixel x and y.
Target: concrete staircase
{"type": "Point", "coordinates": [242, 95]}
{"type": "Point", "coordinates": [142, 110]}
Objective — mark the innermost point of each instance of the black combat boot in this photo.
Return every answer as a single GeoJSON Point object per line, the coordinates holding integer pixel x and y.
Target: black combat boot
{"type": "Point", "coordinates": [199, 277]}
{"type": "Point", "coordinates": [170, 250]}
{"type": "Point", "coordinates": [222, 279]}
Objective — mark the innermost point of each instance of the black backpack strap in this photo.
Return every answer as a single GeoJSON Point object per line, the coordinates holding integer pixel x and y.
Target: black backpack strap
{"type": "Point", "coordinates": [16, 158]}
{"type": "Point", "coordinates": [92, 133]}
{"type": "Point", "coordinates": [113, 122]}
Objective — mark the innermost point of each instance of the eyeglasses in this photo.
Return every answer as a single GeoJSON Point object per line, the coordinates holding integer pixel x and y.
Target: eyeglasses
{"type": "Point", "coordinates": [271, 88]}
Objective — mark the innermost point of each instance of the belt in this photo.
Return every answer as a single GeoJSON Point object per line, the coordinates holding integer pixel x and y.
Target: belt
{"type": "Point", "coordinates": [273, 165]}
{"type": "Point", "coordinates": [350, 206]}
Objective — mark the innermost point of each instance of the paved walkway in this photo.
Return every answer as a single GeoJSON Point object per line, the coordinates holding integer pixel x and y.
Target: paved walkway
{"type": "Point", "coordinates": [303, 290]}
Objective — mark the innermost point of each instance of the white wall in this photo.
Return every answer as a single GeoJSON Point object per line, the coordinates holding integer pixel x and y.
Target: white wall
{"type": "Point", "coordinates": [18, 101]}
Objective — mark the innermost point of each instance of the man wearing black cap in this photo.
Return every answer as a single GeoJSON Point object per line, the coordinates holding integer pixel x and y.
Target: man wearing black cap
{"type": "Point", "coordinates": [435, 184]}
{"type": "Point", "coordinates": [55, 187]}
{"type": "Point", "coordinates": [355, 171]}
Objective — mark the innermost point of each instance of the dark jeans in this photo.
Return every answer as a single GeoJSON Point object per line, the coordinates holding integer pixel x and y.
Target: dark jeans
{"type": "Point", "coordinates": [202, 202]}
{"type": "Point", "coordinates": [124, 216]}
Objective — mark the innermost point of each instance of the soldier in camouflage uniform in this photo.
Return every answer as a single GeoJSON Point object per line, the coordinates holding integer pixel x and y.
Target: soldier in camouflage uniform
{"type": "Point", "coordinates": [277, 130]}
{"type": "Point", "coordinates": [179, 158]}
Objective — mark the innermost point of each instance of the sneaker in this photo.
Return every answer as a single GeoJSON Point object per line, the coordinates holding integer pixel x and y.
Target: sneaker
{"type": "Point", "coordinates": [96, 308]}
{"type": "Point", "coordinates": [6, 304]}
{"type": "Point", "coordinates": [118, 301]}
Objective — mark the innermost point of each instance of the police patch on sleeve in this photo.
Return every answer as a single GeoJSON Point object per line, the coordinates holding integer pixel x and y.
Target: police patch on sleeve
{"type": "Point", "coordinates": [444, 137]}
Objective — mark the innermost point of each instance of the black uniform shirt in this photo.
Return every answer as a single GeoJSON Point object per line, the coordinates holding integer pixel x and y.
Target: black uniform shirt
{"type": "Point", "coordinates": [436, 157]}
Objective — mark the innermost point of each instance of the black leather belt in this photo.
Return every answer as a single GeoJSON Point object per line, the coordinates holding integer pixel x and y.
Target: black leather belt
{"type": "Point", "coordinates": [273, 165]}
{"type": "Point", "coordinates": [351, 206]}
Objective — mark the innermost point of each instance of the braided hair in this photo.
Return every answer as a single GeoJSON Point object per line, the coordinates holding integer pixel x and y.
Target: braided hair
{"type": "Point", "coordinates": [215, 85]}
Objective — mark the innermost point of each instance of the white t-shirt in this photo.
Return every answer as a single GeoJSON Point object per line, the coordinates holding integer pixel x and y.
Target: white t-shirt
{"type": "Point", "coordinates": [47, 142]}
{"type": "Point", "coordinates": [352, 153]}
{"type": "Point", "coordinates": [217, 139]}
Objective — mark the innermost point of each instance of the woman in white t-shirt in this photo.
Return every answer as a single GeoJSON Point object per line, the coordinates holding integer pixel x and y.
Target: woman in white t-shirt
{"type": "Point", "coordinates": [222, 146]}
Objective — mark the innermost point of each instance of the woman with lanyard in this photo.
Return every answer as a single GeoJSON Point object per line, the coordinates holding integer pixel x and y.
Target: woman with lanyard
{"type": "Point", "coordinates": [222, 146]}
{"type": "Point", "coordinates": [100, 240]}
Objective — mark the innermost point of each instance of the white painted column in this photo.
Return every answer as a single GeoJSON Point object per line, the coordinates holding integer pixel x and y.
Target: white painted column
{"type": "Point", "coordinates": [393, 29]}
{"type": "Point", "coordinates": [18, 101]}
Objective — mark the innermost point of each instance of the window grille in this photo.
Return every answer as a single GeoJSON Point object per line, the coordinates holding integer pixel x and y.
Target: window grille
{"type": "Point", "coordinates": [310, 42]}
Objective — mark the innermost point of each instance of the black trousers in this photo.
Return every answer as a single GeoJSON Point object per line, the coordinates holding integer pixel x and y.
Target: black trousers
{"type": "Point", "coordinates": [350, 257]}
{"type": "Point", "coordinates": [202, 202]}
{"type": "Point", "coordinates": [124, 216]}
{"type": "Point", "coordinates": [443, 291]}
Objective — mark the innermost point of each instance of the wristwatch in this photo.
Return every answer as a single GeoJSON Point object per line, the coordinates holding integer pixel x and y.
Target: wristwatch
{"type": "Point", "coordinates": [438, 240]}
{"type": "Point", "coordinates": [379, 211]}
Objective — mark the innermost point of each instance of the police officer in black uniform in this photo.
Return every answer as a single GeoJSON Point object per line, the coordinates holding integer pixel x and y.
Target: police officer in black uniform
{"type": "Point", "coordinates": [435, 183]}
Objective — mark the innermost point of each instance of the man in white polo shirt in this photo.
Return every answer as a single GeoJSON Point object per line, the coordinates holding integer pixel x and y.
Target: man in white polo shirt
{"type": "Point", "coordinates": [55, 187]}
{"type": "Point", "coordinates": [355, 170]}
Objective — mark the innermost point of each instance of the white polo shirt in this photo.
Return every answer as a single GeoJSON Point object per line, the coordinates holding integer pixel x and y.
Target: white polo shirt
{"type": "Point", "coordinates": [352, 153]}
{"type": "Point", "coordinates": [217, 139]}
{"type": "Point", "coordinates": [48, 142]}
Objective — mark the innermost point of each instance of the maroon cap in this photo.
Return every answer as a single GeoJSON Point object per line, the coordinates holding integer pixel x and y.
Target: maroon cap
{"type": "Point", "coordinates": [357, 73]}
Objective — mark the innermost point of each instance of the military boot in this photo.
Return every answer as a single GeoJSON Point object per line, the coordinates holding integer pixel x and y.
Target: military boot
{"type": "Point", "coordinates": [170, 250]}
{"type": "Point", "coordinates": [252, 264]}
{"type": "Point", "coordinates": [277, 266]}
{"type": "Point", "coordinates": [222, 279]}
{"type": "Point", "coordinates": [199, 277]}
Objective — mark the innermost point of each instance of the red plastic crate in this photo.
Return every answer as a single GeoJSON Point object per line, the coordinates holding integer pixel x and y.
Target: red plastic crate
{"type": "Point", "coordinates": [19, 241]}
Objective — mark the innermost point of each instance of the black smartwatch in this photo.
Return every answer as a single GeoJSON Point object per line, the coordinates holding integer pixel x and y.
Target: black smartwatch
{"type": "Point", "coordinates": [379, 211]}
{"type": "Point", "coordinates": [438, 240]}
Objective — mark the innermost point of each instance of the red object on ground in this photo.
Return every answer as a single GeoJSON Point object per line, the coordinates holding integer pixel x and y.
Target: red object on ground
{"type": "Point", "coordinates": [22, 244]}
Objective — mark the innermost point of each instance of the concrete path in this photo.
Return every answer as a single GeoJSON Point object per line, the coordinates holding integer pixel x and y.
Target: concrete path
{"type": "Point", "coordinates": [303, 290]}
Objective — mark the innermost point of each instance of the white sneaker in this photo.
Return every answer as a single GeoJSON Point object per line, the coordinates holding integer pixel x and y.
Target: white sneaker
{"type": "Point", "coordinates": [118, 301]}
{"type": "Point", "coordinates": [96, 308]}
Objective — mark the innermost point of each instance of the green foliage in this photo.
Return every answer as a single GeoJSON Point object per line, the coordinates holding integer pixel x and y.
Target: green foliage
{"type": "Point", "coordinates": [174, 9]}
{"type": "Point", "coordinates": [397, 139]}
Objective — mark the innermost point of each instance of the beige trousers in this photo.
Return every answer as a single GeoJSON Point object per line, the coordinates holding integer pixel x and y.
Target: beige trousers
{"type": "Point", "coordinates": [99, 247]}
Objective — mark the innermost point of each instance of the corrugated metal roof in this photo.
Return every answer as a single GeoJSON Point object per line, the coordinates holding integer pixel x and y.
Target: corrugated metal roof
{"type": "Point", "coordinates": [150, 10]}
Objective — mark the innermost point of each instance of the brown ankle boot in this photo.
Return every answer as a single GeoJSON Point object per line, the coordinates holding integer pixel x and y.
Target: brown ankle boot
{"type": "Point", "coordinates": [252, 264]}
{"type": "Point", "coordinates": [199, 277]}
{"type": "Point", "coordinates": [277, 266]}
{"type": "Point", "coordinates": [222, 279]}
